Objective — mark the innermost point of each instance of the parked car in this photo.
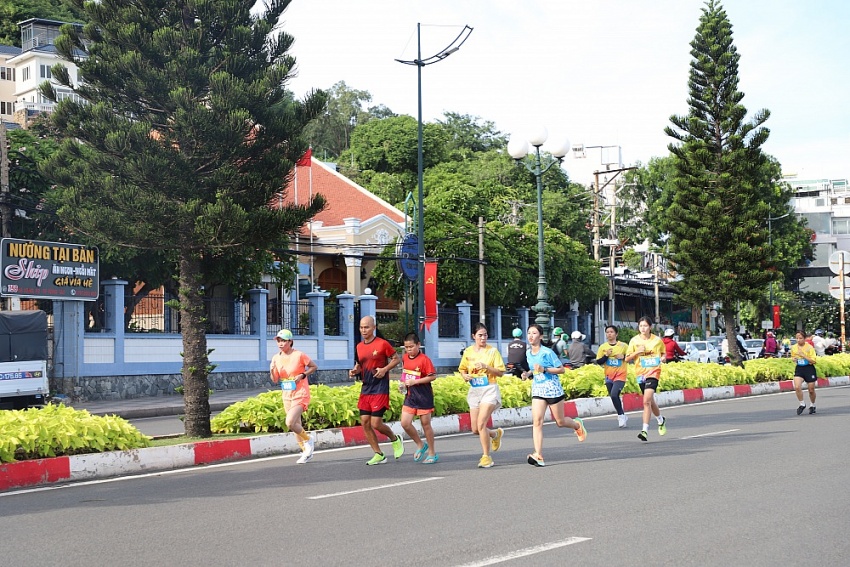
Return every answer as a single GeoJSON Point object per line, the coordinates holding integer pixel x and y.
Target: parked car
{"type": "Point", "coordinates": [754, 347]}
{"type": "Point", "coordinates": [700, 351]}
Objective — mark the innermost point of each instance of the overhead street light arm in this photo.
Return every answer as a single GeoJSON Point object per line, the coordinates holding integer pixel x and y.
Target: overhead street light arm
{"type": "Point", "coordinates": [443, 53]}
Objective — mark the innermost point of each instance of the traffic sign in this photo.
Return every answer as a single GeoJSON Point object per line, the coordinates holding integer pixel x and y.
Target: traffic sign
{"type": "Point", "coordinates": [835, 288]}
{"type": "Point", "coordinates": [407, 251]}
{"type": "Point", "coordinates": [835, 261]}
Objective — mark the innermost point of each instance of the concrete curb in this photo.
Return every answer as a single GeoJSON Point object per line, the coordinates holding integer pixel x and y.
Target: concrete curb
{"type": "Point", "coordinates": [119, 463]}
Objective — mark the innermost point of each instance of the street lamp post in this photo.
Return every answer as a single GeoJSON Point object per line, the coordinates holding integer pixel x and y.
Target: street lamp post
{"type": "Point", "coordinates": [420, 208]}
{"type": "Point", "coordinates": [518, 149]}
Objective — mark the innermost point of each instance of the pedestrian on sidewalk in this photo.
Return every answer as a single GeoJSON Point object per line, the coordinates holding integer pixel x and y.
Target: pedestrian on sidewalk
{"type": "Point", "coordinates": [611, 356]}
{"type": "Point", "coordinates": [803, 355]}
{"type": "Point", "coordinates": [290, 368]}
{"type": "Point", "coordinates": [480, 365]}
{"type": "Point", "coordinates": [374, 357]}
{"type": "Point", "coordinates": [647, 352]}
{"type": "Point", "coordinates": [546, 392]}
{"type": "Point", "coordinates": [416, 376]}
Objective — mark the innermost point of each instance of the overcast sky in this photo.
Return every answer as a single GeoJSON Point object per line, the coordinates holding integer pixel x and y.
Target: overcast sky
{"type": "Point", "coordinates": [598, 72]}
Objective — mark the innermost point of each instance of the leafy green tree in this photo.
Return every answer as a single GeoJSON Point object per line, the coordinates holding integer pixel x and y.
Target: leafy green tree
{"type": "Point", "coordinates": [468, 135]}
{"type": "Point", "coordinates": [185, 137]}
{"type": "Point", "coordinates": [724, 186]}
{"type": "Point", "coordinates": [14, 11]}
{"type": "Point", "coordinates": [330, 132]}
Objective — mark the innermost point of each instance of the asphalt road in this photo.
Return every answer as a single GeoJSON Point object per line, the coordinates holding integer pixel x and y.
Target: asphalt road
{"type": "Point", "coordinates": [739, 482]}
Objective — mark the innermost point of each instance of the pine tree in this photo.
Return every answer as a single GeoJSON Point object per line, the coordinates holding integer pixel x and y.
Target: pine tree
{"type": "Point", "coordinates": [185, 136]}
{"type": "Point", "coordinates": [724, 186]}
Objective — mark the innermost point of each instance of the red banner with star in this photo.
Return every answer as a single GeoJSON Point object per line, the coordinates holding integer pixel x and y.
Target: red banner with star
{"type": "Point", "coordinates": [430, 294]}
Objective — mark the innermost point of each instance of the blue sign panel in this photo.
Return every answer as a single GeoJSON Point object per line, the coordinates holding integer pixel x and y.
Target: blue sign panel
{"type": "Point", "coordinates": [407, 251]}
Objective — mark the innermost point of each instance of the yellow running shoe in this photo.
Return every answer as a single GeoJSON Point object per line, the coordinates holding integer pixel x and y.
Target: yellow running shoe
{"type": "Point", "coordinates": [496, 442]}
{"type": "Point", "coordinates": [485, 462]}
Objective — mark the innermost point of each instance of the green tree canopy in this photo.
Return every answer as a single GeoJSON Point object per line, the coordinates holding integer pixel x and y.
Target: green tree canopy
{"type": "Point", "coordinates": [185, 136]}
{"type": "Point", "coordinates": [12, 12]}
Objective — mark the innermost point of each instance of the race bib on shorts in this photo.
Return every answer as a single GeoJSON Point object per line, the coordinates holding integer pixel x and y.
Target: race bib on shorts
{"type": "Point", "coordinates": [287, 385]}
{"type": "Point", "coordinates": [614, 362]}
{"type": "Point", "coordinates": [802, 362]}
{"type": "Point", "coordinates": [479, 381]}
{"type": "Point", "coordinates": [650, 361]}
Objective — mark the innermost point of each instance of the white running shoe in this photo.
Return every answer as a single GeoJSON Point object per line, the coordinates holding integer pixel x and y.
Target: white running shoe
{"type": "Point", "coordinates": [305, 458]}
{"type": "Point", "coordinates": [309, 445]}
{"type": "Point", "coordinates": [622, 420]}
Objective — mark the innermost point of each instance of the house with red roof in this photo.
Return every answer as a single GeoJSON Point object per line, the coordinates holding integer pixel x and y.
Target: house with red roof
{"type": "Point", "coordinates": [338, 249]}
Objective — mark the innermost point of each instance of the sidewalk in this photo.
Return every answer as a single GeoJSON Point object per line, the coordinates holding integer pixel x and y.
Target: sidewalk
{"type": "Point", "coordinates": [153, 459]}
{"type": "Point", "coordinates": [136, 408]}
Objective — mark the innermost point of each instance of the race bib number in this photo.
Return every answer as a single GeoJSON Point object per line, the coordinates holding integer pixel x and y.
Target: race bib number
{"type": "Point", "coordinates": [287, 385]}
{"type": "Point", "coordinates": [802, 362]}
{"type": "Point", "coordinates": [409, 375]}
{"type": "Point", "coordinates": [650, 361]}
{"type": "Point", "coordinates": [539, 377]}
{"type": "Point", "coordinates": [614, 362]}
{"type": "Point", "coordinates": [479, 381]}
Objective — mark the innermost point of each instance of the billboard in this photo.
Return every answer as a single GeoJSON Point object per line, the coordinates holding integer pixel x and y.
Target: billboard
{"type": "Point", "coordinates": [49, 270]}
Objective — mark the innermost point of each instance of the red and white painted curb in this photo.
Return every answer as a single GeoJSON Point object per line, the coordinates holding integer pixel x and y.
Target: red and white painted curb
{"type": "Point", "coordinates": [120, 463]}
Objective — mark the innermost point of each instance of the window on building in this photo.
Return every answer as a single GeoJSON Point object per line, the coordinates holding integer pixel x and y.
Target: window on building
{"type": "Point", "coordinates": [25, 74]}
{"type": "Point", "coordinates": [7, 107]}
{"type": "Point", "coordinates": [7, 73]}
{"type": "Point", "coordinates": [45, 72]}
{"type": "Point", "coordinates": [841, 226]}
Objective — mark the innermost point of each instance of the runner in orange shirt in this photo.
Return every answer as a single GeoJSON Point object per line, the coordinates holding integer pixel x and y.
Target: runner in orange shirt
{"type": "Point", "coordinates": [290, 368]}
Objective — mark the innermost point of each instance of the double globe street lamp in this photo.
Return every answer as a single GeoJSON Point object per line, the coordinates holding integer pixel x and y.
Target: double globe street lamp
{"type": "Point", "coordinates": [518, 149]}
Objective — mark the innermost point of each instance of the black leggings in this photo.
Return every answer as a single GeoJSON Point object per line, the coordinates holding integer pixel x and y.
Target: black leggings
{"type": "Point", "coordinates": [614, 389]}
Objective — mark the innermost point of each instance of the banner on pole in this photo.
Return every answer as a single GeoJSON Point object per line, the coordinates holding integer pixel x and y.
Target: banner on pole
{"type": "Point", "coordinates": [430, 294]}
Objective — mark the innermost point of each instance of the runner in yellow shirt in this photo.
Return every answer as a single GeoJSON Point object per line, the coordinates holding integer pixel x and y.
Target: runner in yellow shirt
{"type": "Point", "coordinates": [803, 355]}
{"type": "Point", "coordinates": [647, 352]}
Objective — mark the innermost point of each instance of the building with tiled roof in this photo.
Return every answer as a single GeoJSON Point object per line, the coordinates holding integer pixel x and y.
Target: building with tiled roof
{"type": "Point", "coordinates": [337, 250]}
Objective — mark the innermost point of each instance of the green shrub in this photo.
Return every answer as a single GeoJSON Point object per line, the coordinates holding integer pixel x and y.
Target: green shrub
{"type": "Point", "coordinates": [337, 407]}
{"type": "Point", "coordinates": [56, 430]}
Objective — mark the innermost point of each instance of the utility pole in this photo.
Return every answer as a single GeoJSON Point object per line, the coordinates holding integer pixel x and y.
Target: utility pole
{"type": "Point", "coordinates": [481, 310]}
{"type": "Point", "coordinates": [5, 208]}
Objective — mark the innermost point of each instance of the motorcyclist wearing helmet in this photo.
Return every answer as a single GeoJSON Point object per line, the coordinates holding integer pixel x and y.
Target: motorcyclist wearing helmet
{"type": "Point", "coordinates": [559, 343]}
{"type": "Point", "coordinates": [672, 349]}
{"type": "Point", "coordinates": [578, 352]}
{"type": "Point", "coordinates": [517, 362]}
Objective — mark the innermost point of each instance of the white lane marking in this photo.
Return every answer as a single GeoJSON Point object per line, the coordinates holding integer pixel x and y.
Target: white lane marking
{"type": "Point", "coordinates": [393, 485]}
{"type": "Point", "coordinates": [710, 434]}
{"type": "Point", "coordinates": [526, 552]}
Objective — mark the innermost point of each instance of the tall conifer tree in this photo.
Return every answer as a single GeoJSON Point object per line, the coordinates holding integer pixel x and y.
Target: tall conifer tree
{"type": "Point", "coordinates": [183, 137]}
{"type": "Point", "coordinates": [724, 186]}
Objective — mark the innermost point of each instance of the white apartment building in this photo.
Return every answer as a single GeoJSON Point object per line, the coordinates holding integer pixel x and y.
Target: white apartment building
{"type": "Point", "coordinates": [29, 67]}
{"type": "Point", "coordinates": [7, 81]}
{"type": "Point", "coordinates": [825, 204]}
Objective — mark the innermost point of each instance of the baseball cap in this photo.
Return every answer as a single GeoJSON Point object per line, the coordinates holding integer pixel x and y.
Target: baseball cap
{"type": "Point", "coordinates": [669, 333]}
{"type": "Point", "coordinates": [819, 332]}
{"type": "Point", "coordinates": [285, 335]}
{"type": "Point", "coordinates": [517, 333]}
{"type": "Point", "coordinates": [577, 335]}
{"type": "Point", "coordinates": [558, 331]}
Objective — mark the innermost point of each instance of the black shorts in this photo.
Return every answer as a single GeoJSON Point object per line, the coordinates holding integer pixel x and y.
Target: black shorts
{"type": "Point", "coordinates": [550, 401]}
{"type": "Point", "coordinates": [375, 413]}
{"type": "Point", "coordinates": [649, 383]}
{"type": "Point", "coordinates": [807, 373]}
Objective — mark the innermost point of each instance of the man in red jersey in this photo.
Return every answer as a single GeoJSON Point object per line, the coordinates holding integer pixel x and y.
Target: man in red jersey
{"type": "Point", "coordinates": [374, 358]}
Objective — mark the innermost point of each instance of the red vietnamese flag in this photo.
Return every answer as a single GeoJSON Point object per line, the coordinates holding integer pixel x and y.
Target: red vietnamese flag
{"type": "Point", "coordinates": [430, 294]}
{"type": "Point", "coordinates": [306, 160]}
